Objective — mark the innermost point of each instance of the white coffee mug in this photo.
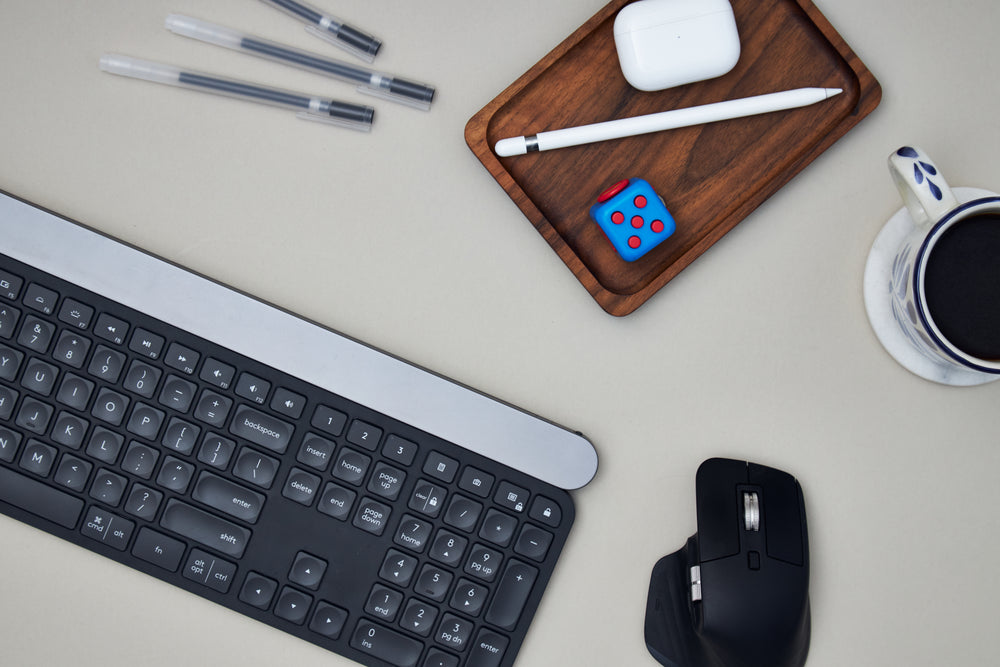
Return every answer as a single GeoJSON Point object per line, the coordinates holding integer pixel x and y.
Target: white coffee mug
{"type": "Point", "coordinates": [933, 326]}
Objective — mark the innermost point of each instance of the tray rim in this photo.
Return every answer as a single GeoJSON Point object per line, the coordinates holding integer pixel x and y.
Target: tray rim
{"type": "Point", "coordinates": [621, 304]}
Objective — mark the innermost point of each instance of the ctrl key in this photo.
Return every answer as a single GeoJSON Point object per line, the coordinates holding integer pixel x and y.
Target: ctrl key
{"type": "Point", "coordinates": [386, 644]}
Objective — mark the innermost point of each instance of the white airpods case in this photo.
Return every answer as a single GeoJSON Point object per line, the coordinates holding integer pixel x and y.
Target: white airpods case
{"type": "Point", "coordinates": [666, 43]}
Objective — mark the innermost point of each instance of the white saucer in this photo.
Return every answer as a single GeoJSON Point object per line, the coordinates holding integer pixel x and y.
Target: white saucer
{"type": "Point", "coordinates": [878, 272]}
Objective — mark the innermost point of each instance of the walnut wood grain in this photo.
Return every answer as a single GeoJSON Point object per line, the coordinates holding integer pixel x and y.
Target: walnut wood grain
{"type": "Point", "coordinates": [710, 176]}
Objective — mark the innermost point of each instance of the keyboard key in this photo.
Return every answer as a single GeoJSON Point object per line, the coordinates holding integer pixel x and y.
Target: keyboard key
{"type": "Point", "coordinates": [433, 582]}
{"type": "Point", "coordinates": [39, 498]}
{"type": "Point", "coordinates": [315, 452]}
{"type": "Point", "coordinates": [38, 458]}
{"type": "Point", "coordinates": [8, 320]}
{"type": "Point", "coordinates": [545, 510]}
{"type": "Point", "coordinates": [177, 393]}
{"type": "Point", "coordinates": [498, 528]}
{"type": "Point", "coordinates": [476, 481]}
{"type": "Point", "coordinates": [454, 632]}
{"type": "Point", "coordinates": [181, 358]}
{"type": "Point", "coordinates": [111, 328]}
{"type": "Point", "coordinates": [110, 407]}
{"type": "Point", "coordinates": [213, 408]}
{"type": "Point", "coordinates": [336, 501]}
{"type": "Point", "coordinates": [399, 449]}
{"type": "Point", "coordinates": [207, 529]}
{"type": "Point", "coordinates": [413, 533]}
{"type": "Point", "coordinates": [510, 496]}
{"type": "Point", "coordinates": [145, 421]}
{"type": "Point", "coordinates": [511, 595]}
{"type": "Point", "coordinates": [217, 373]}
{"type": "Point", "coordinates": [488, 649]}
{"type": "Point", "coordinates": [427, 498]}
{"type": "Point", "coordinates": [258, 590]}
{"type": "Point", "coordinates": [158, 549]}
{"type": "Point", "coordinates": [288, 403]}
{"type": "Point", "coordinates": [69, 430]}
{"type": "Point", "coordinates": [39, 377]}
{"type": "Point", "coordinates": [40, 298]}
{"type": "Point", "coordinates": [463, 513]}
{"type": "Point", "coordinates": [106, 364]}
{"type": "Point", "coordinates": [448, 548]}
{"type": "Point", "coordinates": [180, 436]}
{"type": "Point", "coordinates": [483, 562]}
{"type": "Point", "coordinates": [261, 429]}
{"type": "Point", "coordinates": [386, 481]}
{"type": "Point", "coordinates": [328, 420]}
{"type": "Point", "coordinates": [301, 486]}
{"type": "Point", "coordinates": [8, 397]}
{"type": "Point", "coordinates": [533, 542]}
{"type": "Point", "coordinates": [292, 605]}
{"type": "Point", "coordinates": [307, 570]}
{"type": "Point", "coordinates": [143, 502]}
{"type": "Point", "coordinates": [104, 445]}
{"type": "Point", "coordinates": [108, 487]}
{"type": "Point", "coordinates": [441, 467]}
{"type": "Point", "coordinates": [146, 343]}
{"type": "Point", "coordinates": [255, 468]}
{"type": "Point", "coordinates": [351, 466]}
{"type": "Point", "coordinates": [108, 528]}
{"type": "Point", "coordinates": [228, 497]}
{"type": "Point", "coordinates": [75, 391]}
{"type": "Point", "coordinates": [398, 568]}
{"type": "Point", "coordinates": [142, 379]}
{"type": "Point", "coordinates": [10, 362]}
{"type": "Point", "coordinates": [328, 620]}
{"type": "Point", "coordinates": [253, 388]}
{"type": "Point", "coordinates": [76, 314]}
{"type": "Point", "coordinates": [9, 440]}
{"type": "Point", "coordinates": [216, 451]}
{"type": "Point", "coordinates": [385, 644]}
{"type": "Point", "coordinates": [71, 349]}
{"type": "Point", "coordinates": [33, 415]}
{"type": "Point", "coordinates": [438, 658]}
{"type": "Point", "coordinates": [10, 285]}
{"type": "Point", "coordinates": [372, 516]}
{"type": "Point", "coordinates": [419, 617]}
{"type": "Point", "coordinates": [140, 459]}
{"type": "Point", "coordinates": [364, 435]}
{"type": "Point", "coordinates": [384, 602]}
{"type": "Point", "coordinates": [36, 334]}
{"type": "Point", "coordinates": [469, 597]}
{"type": "Point", "coordinates": [206, 569]}
{"type": "Point", "coordinates": [175, 475]}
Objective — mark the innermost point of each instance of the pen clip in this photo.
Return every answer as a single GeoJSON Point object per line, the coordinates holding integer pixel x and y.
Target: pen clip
{"type": "Point", "coordinates": [340, 44]}
{"type": "Point", "coordinates": [339, 122]}
{"type": "Point", "coordinates": [382, 93]}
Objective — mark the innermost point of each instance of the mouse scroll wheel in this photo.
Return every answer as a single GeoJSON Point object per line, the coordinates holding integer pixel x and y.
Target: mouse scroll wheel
{"type": "Point", "coordinates": [751, 511]}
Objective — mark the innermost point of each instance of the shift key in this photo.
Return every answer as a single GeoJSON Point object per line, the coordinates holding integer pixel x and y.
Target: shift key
{"type": "Point", "coordinates": [216, 533]}
{"type": "Point", "coordinates": [261, 429]}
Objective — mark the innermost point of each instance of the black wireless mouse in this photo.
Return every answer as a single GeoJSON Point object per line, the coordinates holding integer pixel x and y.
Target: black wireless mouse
{"type": "Point", "coordinates": [737, 593]}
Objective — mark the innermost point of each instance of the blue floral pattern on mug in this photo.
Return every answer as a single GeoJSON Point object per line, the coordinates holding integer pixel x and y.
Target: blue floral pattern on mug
{"type": "Point", "coordinates": [922, 171]}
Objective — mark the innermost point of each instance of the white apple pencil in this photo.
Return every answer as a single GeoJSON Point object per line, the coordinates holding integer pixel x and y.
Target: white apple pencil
{"type": "Point", "coordinates": [665, 120]}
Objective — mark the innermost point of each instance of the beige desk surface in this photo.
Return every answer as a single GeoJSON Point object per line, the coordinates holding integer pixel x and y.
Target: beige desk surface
{"type": "Point", "coordinates": [760, 350]}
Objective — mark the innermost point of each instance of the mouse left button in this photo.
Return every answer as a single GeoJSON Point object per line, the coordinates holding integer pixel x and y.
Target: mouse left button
{"type": "Point", "coordinates": [720, 513]}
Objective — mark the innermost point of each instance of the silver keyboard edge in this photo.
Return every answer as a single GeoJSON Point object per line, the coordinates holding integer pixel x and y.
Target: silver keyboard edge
{"type": "Point", "coordinates": [322, 357]}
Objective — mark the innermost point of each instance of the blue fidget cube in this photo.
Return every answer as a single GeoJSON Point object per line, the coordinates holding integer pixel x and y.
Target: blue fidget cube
{"type": "Point", "coordinates": [633, 218]}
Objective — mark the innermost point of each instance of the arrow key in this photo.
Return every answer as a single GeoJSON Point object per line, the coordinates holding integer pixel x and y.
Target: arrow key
{"type": "Point", "coordinates": [328, 620]}
{"type": "Point", "coordinates": [307, 570]}
{"type": "Point", "coordinates": [292, 605]}
{"type": "Point", "coordinates": [258, 590]}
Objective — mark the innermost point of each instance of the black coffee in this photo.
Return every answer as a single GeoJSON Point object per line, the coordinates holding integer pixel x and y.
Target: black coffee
{"type": "Point", "coordinates": [962, 285]}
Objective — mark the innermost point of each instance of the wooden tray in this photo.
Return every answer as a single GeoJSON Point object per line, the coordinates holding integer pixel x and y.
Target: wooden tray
{"type": "Point", "coordinates": [710, 176]}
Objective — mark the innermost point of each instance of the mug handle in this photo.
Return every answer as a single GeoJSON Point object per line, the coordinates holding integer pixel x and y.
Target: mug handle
{"type": "Point", "coordinates": [924, 190]}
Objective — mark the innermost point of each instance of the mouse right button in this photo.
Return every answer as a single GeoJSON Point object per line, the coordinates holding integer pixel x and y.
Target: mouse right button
{"type": "Point", "coordinates": [718, 510]}
{"type": "Point", "coordinates": [782, 513]}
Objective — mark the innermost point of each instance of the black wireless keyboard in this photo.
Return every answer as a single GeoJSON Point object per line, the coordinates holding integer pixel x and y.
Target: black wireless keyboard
{"type": "Point", "coordinates": [277, 468]}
